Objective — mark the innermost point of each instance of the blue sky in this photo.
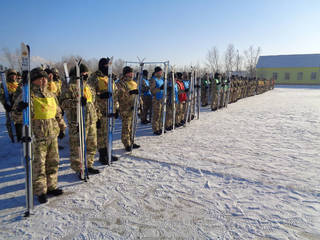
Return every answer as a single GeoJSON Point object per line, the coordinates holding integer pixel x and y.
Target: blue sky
{"type": "Point", "coordinates": [177, 30]}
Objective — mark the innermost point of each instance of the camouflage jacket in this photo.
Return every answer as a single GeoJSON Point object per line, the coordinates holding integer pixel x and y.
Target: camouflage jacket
{"type": "Point", "coordinates": [14, 90]}
{"type": "Point", "coordinates": [69, 102]}
{"type": "Point", "coordinates": [99, 83]}
{"type": "Point", "coordinates": [126, 101]}
{"type": "Point", "coordinates": [43, 128]}
{"type": "Point", "coordinates": [55, 87]}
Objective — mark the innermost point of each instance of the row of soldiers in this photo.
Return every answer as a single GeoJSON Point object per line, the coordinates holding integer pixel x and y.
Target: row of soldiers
{"type": "Point", "coordinates": [53, 100]}
{"type": "Point", "coordinates": [220, 90]}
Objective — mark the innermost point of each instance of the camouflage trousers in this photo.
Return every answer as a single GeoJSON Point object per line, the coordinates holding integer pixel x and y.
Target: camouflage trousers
{"type": "Point", "coordinates": [180, 112]}
{"type": "Point", "coordinates": [222, 98]}
{"type": "Point", "coordinates": [146, 108]}
{"type": "Point", "coordinates": [214, 103]}
{"type": "Point", "coordinates": [102, 133]}
{"type": "Point", "coordinates": [126, 128]}
{"type": "Point", "coordinates": [204, 96]}
{"type": "Point", "coordinates": [45, 165]}
{"type": "Point", "coordinates": [156, 115]}
{"type": "Point", "coordinates": [169, 115]}
{"type": "Point", "coordinates": [91, 146]}
{"type": "Point", "coordinates": [234, 95]}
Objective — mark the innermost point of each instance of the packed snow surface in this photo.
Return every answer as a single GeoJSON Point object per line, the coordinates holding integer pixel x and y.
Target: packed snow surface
{"type": "Point", "coordinates": [251, 171]}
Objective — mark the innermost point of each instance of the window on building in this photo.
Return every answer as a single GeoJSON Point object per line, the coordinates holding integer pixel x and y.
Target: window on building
{"type": "Point", "coordinates": [300, 76]}
{"type": "Point", "coordinates": [275, 75]}
{"type": "Point", "coordinates": [313, 76]}
{"type": "Point", "coordinates": [287, 76]}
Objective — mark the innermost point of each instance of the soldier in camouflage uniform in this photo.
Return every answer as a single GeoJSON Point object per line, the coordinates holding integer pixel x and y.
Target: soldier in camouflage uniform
{"type": "Point", "coordinates": [69, 101]}
{"type": "Point", "coordinates": [127, 92]}
{"type": "Point", "coordinates": [169, 111]}
{"type": "Point", "coordinates": [47, 125]}
{"type": "Point", "coordinates": [99, 81]}
{"type": "Point", "coordinates": [215, 91]}
{"type": "Point", "coordinates": [146, 98]}
{"type": "Point", "coordinates": [54, 82]}
{"type": "Point", "coordinates": [156, 87]}
{"type": "Point", "coordinates": [182, 101]}
{"type": "Point", "coordinates": [14, 89]}
{"type": "Point", "coordinates": [205, 83]}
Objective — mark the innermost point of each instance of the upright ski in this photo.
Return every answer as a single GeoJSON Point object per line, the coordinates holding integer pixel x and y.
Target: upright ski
{"type": "Point", "coordinates": [27, 137]}
{"type": "Point", "coordinates": [66, 72]}
{"type": "Point", "coordinates": [136, 105]}
{"type": "Point", "coordinates": [228, 90]}
{"type": "Point", "coordinates": [8, 102]}
{"type": "Point", "coordinates": [81, 113]}
{"type": "Point", "coordinates": [110, 113]}
{"type": "Point", "coordinates": [164, 97]}
{"type": "Point", "coordinates": [198, 95]}
{"type": "Point", "coordinates": [218, 93]}
{"type": "Point", "coordinates": [173, 99]}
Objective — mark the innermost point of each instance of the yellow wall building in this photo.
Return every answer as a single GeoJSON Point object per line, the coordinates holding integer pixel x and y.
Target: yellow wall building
{"type": "Point", "coordinates": [290, 69]}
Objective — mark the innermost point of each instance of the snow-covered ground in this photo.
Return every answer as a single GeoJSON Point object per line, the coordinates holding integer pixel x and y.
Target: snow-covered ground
{"type": "Point", "coordinates": [251, 171]}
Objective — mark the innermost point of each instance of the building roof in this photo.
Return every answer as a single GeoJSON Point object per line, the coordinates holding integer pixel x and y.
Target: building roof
{"type": "Point", "coordinates": [289, 61]}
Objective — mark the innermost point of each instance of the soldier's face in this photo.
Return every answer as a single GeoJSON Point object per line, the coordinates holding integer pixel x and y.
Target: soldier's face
{"type": "Point", "coordinates": [158, 74]}
{"type": "Point", "coordinates": [13, 77]}
{"type": "Point", "coordinates": [130, 74]}
{"type": "Point", "coordinates": [41, 82]}
{"type": "Point", "coordinates": [50, 76]}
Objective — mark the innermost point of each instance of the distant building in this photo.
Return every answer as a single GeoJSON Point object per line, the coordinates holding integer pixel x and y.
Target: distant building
{"type": "Point", "coordinates": [290, 69]}
{"type": "Point", "coordinates": [239, 73]}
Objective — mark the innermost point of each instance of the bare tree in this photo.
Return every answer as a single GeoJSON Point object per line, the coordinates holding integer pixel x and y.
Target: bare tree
{"type": "Point", "coordinates": [117, 66]}
{"type": "Point", "coordinates": [18, 59]}
{"type": "Point", "coordinates": [10, 57]}
{"type": "Point", "coordinates": [229, 58]}
{"type": "Point", "coordinates": [251, 58]}
{"type": "Point", "coordinates": [213, 59]}
{"type": "Point", "coordinates": [238, 62]}
{"type": "Point", "coordinates": [93, 64]}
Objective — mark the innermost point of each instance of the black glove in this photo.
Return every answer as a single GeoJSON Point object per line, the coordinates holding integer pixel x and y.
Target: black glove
{"type": "Point", "coordinates": [61, 134]}
{"type": "Point", "coordinates": [7, 107]}
{"type": "Point", "coordinates": [196, 86]}
{"type": "Point", "coordinates": [135, 91]}
{"type": "Point", "coordinates": [161, 88]}
{"type": "Point", "coordinates": [169, 88]}
{"type": "Point", "coordinates": [21, 106]}
{"type": "Point", "coordinates": [98, 124]}
{"type": "Point", "coordinates": [113, 115]}
{"type": "Point", "coordinates": [187, 90]}
{"type": "Point", "coordinates": [83, 101]}
{"type": "Point", "coordinates": [105, 95]}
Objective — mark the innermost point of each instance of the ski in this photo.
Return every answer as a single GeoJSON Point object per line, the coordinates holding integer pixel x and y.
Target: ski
{"type": "Point", "coordinates": [218, 88]}
{"type": "Point", "coordinates": [189, 100]}
{"type": "Point", "coordinates": [228, 90]}
{"type": "Point", "coordinates": [81, 124]}
{"type": "Point", "coordinates": [136, 105]}
{"type": "Point", "coordinates": [66, 73]}
{"type": "Point", "coordinates": [8, 102]}
{"type": "Point", "coordinates": [223, 92]}
{"type": "Point", "coordinates": [198, 95]}
{"type": "Point", "coordinates": [194, 86]}
{"type": "Point", "coordinates": [164, 97]}
{"type": "Point", "coordinates": [110, 113]}
{"type": "Point", "coordinates": [173, 99]}
{"type": "Point", "coordinates": [27, 137]}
